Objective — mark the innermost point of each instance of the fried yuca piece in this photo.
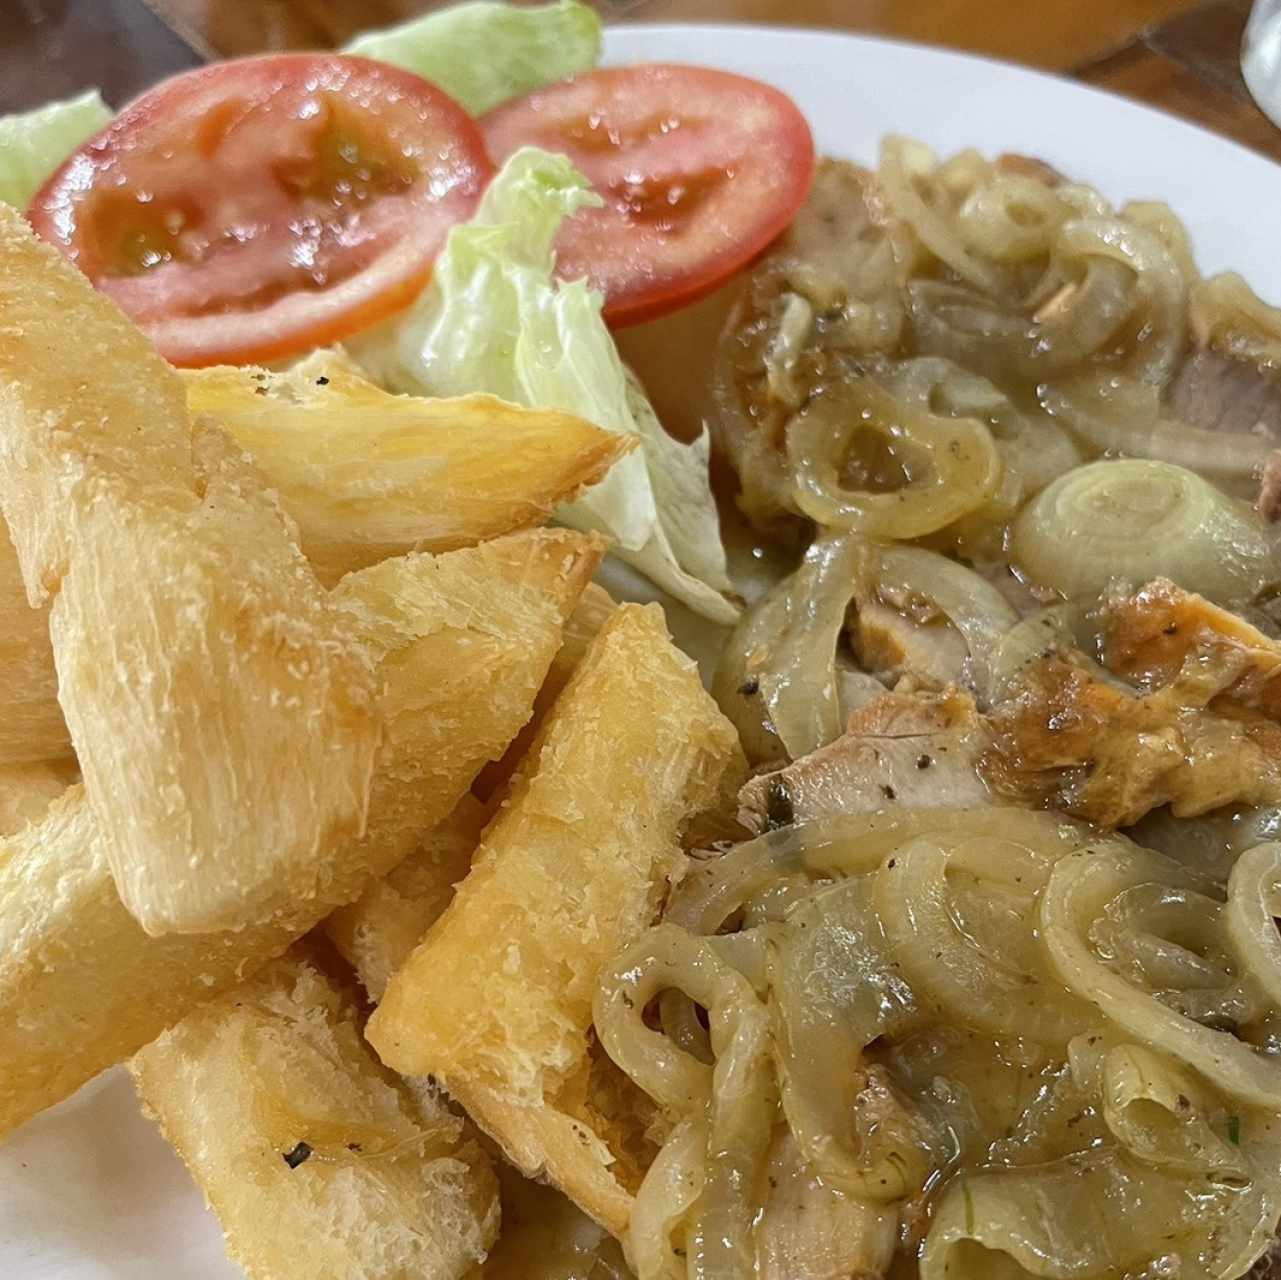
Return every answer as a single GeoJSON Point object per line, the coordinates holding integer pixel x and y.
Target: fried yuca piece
{"type": "Point", "coordinates": [32, 727]}
{"type": "Point", "coordinates": [224, 721]}
{"type": "Point", "coordinates": [315, 1159]}
{"type": "Point", "coordinates": [458, 472]}
{"type": "Point", "coordinates": [464, 641]}
{"type": "Point", "coordinates": [377, 932]}
{"type": "Point", "coordinates": [581, 629]}
{"type": "Point", "coordinates": [542, 1231]}
{"type": "Point", "coordinates": [369, 475]}
{"type": "Point", "coordinates": [495, 1003]}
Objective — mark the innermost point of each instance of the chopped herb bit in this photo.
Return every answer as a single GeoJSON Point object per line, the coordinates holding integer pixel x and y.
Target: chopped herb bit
{"type": "Point", "coordinates": [295, 1157]}
{"type": "Point", "coordinates": [887, 791]}
{"type": "Point", "coordinates": [1234, 1130]}
{"type": "Point", "coordinates": [923, 762]}
{"type": "Point", "coordinates": [779, 809]}
{"type": "Point", "coordinates": [322, 381]}
{"type": "Point", "coordinates": [749, 686]}
{"type": "Point", "coordinates": [353, 1146]}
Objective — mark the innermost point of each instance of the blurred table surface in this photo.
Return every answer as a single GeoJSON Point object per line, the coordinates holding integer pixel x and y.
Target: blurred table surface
{"type": "Point", "coordinates": [1179, 55]}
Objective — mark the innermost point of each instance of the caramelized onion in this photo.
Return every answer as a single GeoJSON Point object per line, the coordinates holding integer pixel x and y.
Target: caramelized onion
{"type": "Point", "coordinates": [952, 464]}
{"type": "Point", "coordinates": [1117, 415]}
{"type": "Point", "coordinates": [1131, 521]}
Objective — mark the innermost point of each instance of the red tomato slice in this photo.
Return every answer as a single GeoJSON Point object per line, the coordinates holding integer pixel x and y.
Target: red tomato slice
{"type": "Point", "coordinates": [699, 170]}
{"type": "Point", "coordinates": [255, 209]}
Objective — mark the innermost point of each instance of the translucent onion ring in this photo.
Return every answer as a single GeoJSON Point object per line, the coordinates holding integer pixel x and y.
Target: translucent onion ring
{"type": "Point", "coordinates": [1079, 889]}
{"type": "Point", "coordinates": [962, 467]}
{"type": "Point", "coordinates": [912, 902]}
{"type": "Point", "coordinates": [1251, 924]}
{"type": "Point", "coordinates": [1133, 520]}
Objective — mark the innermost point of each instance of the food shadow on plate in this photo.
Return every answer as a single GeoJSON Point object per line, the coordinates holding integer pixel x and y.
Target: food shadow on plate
{"type": "Point", "coordinates": [91, 1178]}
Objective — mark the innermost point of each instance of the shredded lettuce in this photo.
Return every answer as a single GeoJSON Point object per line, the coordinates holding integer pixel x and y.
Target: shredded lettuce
{"type": "Point", "coordinates": [482, 53]}
{"type": "Point", "coordinates": [34, 144]}
{"type": "Point", "coordinates": [495, 319]}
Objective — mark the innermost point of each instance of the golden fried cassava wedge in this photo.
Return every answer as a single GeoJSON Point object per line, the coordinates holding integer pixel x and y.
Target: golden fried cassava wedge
{"type": "Point", "coordinates": [581, 629]}
{"type": "Point", "coordinates": [81, 985]}
{"type": "Point", "coordinates": [316, 1160]}
{"type": "Point", "coordinates": [377, 932]}
{"type": "Point", "coordinates": [591, 1140]}
{"type": "Point", "coordinates": [496, 1000]}
{"type": "Point", "coordinates": [457, 475]}
{"type": "Point", "coordinates": [369, 475]}
{"type": "Point", "coordinates": [464, 641]}
{"type": "Point", "coordinates": [31, 722]}
{"type": "Point", "coordinates": [224, 722]}
{"type": "Point", "coordinates": [27, 791]}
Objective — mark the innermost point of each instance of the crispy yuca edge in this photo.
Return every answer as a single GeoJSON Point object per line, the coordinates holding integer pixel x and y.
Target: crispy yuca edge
{"type": "Point", "coordinates": [376, 933]}
{"type": "Point", "coordinates": [315, 1159]}
{"type": "Point", "coordinates": [478, 468]}
{"type": "Point", "coordinates": [32, 727]}
{"type": "Point", "coordinates": [547, 1145]}
{"type": "Point", "coordinates": [83, 395]}
{"type": "Point", "coordinates": [368, 475]}
{"type": "Point", "coordinates": [63, 926]}
{"type": "Point", "coordinates": [584, 624]}
{"type": "Point", "coordinates": [167, 558]}
{"type": "Point", "coordinates": [495, 1002]}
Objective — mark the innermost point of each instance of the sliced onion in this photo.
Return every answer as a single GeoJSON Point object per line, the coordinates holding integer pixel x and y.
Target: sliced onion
{"type": "Point", "coordinates": [957, 461]}
{"type": "Point", "coordinates": [970, 603]}
{"type": "Point", "coordinates": [1011, 218]}
{"type": "Point", "coordinates": [1130, 521]}
{"type": "Point", "coordinates": [1003, 343]}
{"type": "Point", "coordinates": [1120, 416]}
{"type": "Point", "coordinates": [1158, 282]}
{"type": "Point", "coordinates": [1033, 446]}
{"type": "Point", "coordinates": [777, 679]}
{"type": "Point", "coordinates": [1158, 218]}
{"type": "Point", "coordinates": [1081, 889]}
{"type": "Point", "coordinates": [1251, 915]}
{"type": "Point", "coordinates": [785, 349]}
{"type": "Point", "coordinates": [1226, 314]}
{"type": "Point", "coordinates": [669, 1192]}
{"type": "Point", "coordinates": [906, 172]}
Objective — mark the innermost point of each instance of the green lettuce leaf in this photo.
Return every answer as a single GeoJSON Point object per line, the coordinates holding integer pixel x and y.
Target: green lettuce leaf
{"type": "Point", "coordinates": [495, 319]}
{"type": "Point", "coordinates": [34, 144]}
{"type": "Point", "coordinates": [482, 53]}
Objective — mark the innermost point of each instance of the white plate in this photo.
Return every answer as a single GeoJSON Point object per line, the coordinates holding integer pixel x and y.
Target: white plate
{"type": "Point", "coordinates": [88, 1191]}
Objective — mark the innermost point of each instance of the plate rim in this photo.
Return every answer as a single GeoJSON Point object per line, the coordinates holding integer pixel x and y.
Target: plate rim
{"type": "Point", "coordinates": [1063, 80]}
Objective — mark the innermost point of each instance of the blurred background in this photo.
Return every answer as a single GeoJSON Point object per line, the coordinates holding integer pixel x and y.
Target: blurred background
{"type": "Point", "coordinates": [1181, 55]}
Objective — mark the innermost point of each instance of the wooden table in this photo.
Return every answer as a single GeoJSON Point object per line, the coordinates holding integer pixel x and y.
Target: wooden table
{"type": "Point", "coordinates": [1180, 55]}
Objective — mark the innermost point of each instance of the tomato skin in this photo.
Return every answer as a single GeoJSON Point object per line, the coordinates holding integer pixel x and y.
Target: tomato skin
{"type": "Point", "coordinates": [254, 209]}
{"type": "Point", "coordinates": [700, 170]}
